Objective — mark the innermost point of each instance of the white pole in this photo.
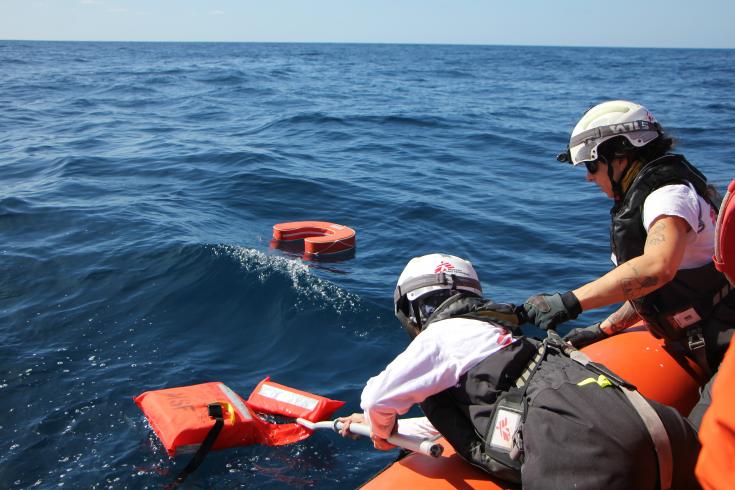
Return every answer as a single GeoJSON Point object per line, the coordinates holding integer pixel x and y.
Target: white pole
{"type": "Point", "coordinates": [412, 443]}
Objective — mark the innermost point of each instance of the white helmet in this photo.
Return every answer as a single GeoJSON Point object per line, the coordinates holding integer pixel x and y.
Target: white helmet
{"type": "Point", "coordinates": [608, 120]}
{"type": "Point", "coordinates": [425, 276]}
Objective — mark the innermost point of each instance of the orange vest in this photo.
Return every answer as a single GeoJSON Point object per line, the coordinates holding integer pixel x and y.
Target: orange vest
{"type": "Point", "coordinates": [181, 420]}
{"type": "Point", "coordinates": [716, 464]}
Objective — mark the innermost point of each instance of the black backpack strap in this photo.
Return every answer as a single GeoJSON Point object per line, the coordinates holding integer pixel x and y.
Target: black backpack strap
{"type": "Point", "coordinates": [215, 412]}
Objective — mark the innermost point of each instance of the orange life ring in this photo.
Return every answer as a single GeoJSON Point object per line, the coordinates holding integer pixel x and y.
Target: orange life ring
{"type": "Point", "coordinates": [320, 237]}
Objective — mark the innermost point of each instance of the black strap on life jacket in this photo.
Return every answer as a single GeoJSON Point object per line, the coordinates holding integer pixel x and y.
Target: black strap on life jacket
{"type": "Point", "coordinates": [518, 395]}
{"type": "Point", "coordinates": [502, 462]}
{"type": "Point", "coordinates": [215, 412]}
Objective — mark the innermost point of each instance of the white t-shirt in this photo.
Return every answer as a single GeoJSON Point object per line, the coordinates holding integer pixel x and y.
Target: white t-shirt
{"type": "Point", "coordinates": [683, 201]}
{"type": "Point", "coordinates": [432, 362]}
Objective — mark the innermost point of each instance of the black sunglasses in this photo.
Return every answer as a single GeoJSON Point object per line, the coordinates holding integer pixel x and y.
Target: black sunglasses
{"type": "Point", "coordinates": [592, 167]}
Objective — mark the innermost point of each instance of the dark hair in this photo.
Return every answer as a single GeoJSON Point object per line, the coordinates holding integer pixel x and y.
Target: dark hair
{"type": "Point", "coordinates": [620, 147]}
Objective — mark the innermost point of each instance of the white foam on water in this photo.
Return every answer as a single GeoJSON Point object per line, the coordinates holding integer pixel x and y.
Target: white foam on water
{"type": "Point", "coordinates": [307, 285]}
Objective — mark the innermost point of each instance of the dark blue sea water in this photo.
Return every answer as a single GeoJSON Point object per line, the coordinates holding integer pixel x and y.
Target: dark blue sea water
{"type": "Point", "coordinates": [139, 184]}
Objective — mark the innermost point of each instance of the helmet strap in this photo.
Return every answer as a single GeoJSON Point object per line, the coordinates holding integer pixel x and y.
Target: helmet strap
{"type": "Point", "coordinates": [633, 168]}
{"type": "Point", "coordinates": [617, 185]}
{"type": "Point", "coordinates": [417, 313]}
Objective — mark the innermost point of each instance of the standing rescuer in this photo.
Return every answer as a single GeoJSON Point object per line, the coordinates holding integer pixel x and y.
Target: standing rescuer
{"type": "Point", "coordinates": [526, 411]}
{"type": "Point", "coordinates": [662, 240]}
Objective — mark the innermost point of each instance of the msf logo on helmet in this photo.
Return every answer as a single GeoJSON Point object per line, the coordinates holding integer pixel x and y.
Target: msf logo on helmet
{"type": "Point", "coordinates": [443, 266]}
{"type": "Point", "coordinates": [629, 127]}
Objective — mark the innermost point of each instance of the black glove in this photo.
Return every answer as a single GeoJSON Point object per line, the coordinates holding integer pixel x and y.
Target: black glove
{"type": "Point", "coordinates": [549, 310]}
{"type": "Point", "coordinates": [579, 337]}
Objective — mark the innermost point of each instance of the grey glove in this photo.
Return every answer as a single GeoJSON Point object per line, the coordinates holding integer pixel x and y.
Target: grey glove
{"type": "Point", "coordinates": [549, 310]}
{"type": "Point", "coordinates": [579, 337]}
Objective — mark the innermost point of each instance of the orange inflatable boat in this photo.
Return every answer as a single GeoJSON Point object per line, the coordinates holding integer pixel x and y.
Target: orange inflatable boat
{"type": "Point", "coordinates": [320, 237]}
{"type": "Point", "coordinates": [637, 356]}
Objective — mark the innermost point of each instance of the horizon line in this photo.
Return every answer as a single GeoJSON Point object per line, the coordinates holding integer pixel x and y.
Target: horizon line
{"type": "Point", "coordinates": [361, 43]}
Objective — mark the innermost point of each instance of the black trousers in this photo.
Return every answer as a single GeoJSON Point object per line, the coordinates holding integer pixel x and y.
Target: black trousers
{"type": "Point", "coordinates": [590, 437]}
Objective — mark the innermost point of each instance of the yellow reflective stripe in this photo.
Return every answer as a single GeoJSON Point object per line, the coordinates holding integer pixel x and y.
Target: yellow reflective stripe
{"type": "Point", "coordinates": [601, 381]}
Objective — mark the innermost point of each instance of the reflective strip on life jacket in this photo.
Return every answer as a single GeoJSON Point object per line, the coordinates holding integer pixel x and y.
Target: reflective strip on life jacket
{"type": "Point", "coordinates": [274, 398]}
{"type": "Point", "coordinates": [236, 402]}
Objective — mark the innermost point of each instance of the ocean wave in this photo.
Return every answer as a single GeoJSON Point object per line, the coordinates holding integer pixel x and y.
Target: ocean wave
{"type": "Point", "coordinates": [225, 77]}
{"type": "Point", "coordinates": [721, 105]}
{"type": "Point", "coordinates": [13, 206]}
{"type": "Point", "coordinates": [14, 61]}
{"type": "Point", "coordinates": [347, 120]}
{"type": "Point", "coordinates": [311, 291]}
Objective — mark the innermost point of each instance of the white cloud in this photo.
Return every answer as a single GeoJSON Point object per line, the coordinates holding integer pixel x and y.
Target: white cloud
{"type": "Point", "coordinates": [118, 10]}
{"type": "Point", "coordinates": [216, 12]}
{"type": "Point", "coordinates": [90, 2]}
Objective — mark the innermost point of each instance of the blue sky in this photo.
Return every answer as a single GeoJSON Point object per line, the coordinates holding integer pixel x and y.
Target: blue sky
{"type": "Point", "coordinates": [641, 23]}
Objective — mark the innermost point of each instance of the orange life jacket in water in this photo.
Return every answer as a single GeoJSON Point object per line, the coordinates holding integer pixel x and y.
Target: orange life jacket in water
{"type": "Point", "coordinates": [181, 419]}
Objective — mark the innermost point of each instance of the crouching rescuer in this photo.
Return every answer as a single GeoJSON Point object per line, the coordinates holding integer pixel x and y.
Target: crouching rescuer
{"type": "Point", "coordinates": [538, 413]}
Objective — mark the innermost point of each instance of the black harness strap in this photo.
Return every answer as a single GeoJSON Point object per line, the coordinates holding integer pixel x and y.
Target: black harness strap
{"type": "Point", "coordinates": [215, 412]}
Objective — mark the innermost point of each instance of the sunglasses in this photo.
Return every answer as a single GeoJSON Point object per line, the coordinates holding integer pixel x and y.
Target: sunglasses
{"type": "Point", "coordinates": [592, 167]}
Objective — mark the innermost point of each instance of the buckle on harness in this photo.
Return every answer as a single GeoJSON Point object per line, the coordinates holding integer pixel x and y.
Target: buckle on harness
{"type": "Point", "coordinates": [516, 450]}
{"type": "Point", "coordinates": [695, 340]}
{"type": "Point", "coordinates": [214, 410]}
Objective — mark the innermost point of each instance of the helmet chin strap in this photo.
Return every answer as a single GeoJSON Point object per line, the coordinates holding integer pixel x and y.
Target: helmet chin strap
{"type": "Point", "coordinates": [617, 186]}
{"type": "Point", "coordinates": [417, 314]}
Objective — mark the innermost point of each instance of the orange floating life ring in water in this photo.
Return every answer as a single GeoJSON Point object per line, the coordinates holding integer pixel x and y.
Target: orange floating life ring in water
{"type": "Point", "coordinates": [320, 237]}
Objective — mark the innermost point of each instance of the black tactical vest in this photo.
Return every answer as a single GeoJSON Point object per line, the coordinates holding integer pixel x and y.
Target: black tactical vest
{"type": "Point", "coordinates": [690, 288]}
{"type": "Point", "coordinates": [463, 413]}
{"type": "Point", "coordinates": [557, 407]}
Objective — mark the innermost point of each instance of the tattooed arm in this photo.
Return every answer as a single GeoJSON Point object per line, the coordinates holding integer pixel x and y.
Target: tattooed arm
{"type": "Point", "coordinates": [623, 318]}
{"type": "Point", "coordinates": [637, 277]}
